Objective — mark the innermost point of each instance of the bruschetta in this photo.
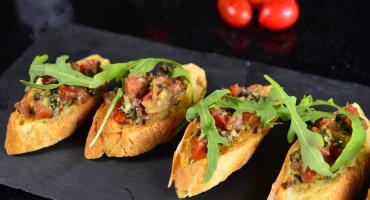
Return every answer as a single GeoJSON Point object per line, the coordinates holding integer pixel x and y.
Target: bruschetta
{"type": "Point", "coordinates": [243, 133]}
{"type": "Point", "coordinates": [148, 113]}
{"type": "Point", "coordinates": [44, 117]}
{"type": "Point", "coordinates": [295, 183]}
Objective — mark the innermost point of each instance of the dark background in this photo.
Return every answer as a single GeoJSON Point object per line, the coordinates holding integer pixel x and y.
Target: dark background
{"type": "Point", "coordinates": [330, 38]}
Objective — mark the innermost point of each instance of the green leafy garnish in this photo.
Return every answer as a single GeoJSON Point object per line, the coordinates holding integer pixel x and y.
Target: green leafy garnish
{"type": "Point", "coordinates": [208, 128]}
{"type": "Point", "coordinates": [110, 109]}
{"type": "Point", "coordinates": [61, 71]}
{"type": "Point", "coordinates": [357, 140]}
{"type": "Point", "coordinates": [264, 108]}
{"type": "Point", "coordinates": [310, 142]}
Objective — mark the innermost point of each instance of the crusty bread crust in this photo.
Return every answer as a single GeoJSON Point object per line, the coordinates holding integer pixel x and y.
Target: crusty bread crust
{"type": "Point", "coordinates": [346, 183]}
{"type": "Point", "coordinates": [118, 140]}
{"type": "Point", "coordinates": [27, 135]}
{"type": "Point", "coordinates": [189, 177]}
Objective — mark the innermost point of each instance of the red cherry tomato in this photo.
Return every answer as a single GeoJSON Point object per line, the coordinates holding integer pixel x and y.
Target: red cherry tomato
{"type": "Point", "coordinates": [199, 148]}
{"type": "Point", "coordinates": [278, 14]}
{"type": "Point", "coordinates": [236, 13]}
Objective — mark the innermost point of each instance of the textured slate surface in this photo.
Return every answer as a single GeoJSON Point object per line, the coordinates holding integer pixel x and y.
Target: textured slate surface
{"type": "Point", "coordinates": [61, 172]}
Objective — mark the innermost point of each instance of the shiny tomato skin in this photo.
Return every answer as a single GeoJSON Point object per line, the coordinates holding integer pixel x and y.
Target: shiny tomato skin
{"type": "Point", "coordinates": [236, 13]}
{"type": "Point", "coordinates": [199, 148]}
{"type": "Point", "coordinates": [235, 90]}
{"type": "Point", "coordinates": [308, 175]}
{"type": "Point", "coordinates": [278, 14]}
{"type": "Point", "coordinates": [220, 122]}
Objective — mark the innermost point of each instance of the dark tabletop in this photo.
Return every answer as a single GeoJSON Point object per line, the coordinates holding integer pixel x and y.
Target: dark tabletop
{"type": "Point", "coordinates": [330, 38]}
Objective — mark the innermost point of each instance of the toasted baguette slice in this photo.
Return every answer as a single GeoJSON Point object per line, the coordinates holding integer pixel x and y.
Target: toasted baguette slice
{"type": "Point", "coordinates": [27, 135]}
{"type": "Point", "coordinates": [346, 183]}
{"type": "Point", "coordinates": [189, 177]}
{"type": "Point", "coordinates": [118, 140]}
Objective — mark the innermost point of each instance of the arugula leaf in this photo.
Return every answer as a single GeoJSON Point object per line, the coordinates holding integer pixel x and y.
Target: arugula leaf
{"type": "Point", "coordinates": [193, 112]}
{"type": "Point", "coordinates": [110, 109]}
{"type": "Point", "coordinates": [264, 108]}
{"type": "Point", "coordinates": [109, 73]}
{"type": "Point", "coordinates": [146, 65]}
{"type": "Point", "coordinates": [61, 71]}
{"type": "Point", "coordinates": [39, 86]}
{"type": "Point", "coordinates": [310, 142]}
{"type": "Point", "coordinates": [356, 141]}
{"type": "Point", "coordinates": [208, 128]}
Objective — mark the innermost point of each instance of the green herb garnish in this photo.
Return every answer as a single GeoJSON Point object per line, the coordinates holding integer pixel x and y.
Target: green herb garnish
{"type": "Point", "coordinates": [310, 142]}
{"type": "Point", "coordinates": [208, 128]}
{"type": "Point", "coordinates": [278, 104]}
{"type": "Point", "coordinates": [110, 109]}
{"type": "Point", "coordinates": [357, 140]}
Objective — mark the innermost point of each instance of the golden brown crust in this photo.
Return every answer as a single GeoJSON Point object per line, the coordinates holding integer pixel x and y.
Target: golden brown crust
{"type": "Point", "coordinates": [368, 195]}
{"type": "Point", "coordinates": [26, 135]}
{"type": "Point", "coordinates": [189, 177]}
{"type": "Point", "coordinates": [130, 140]}
{"type": "Point", "coordinates": [346, 183]}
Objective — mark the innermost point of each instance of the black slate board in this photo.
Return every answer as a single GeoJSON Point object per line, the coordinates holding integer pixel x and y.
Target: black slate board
{"type": "Point", "coordinates": [61, 172]}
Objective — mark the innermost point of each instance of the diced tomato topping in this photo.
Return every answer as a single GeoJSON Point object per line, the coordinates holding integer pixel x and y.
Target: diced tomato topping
{"type": "Point", "coordinates": [251, 118]}
{"type": "Point", "coordinates": [42, 111]}
{"type": "Point", "coordinates": [199, 148]}
{"type": "Point", "coordinates": [67, 94]}
{"type": "Point", "coordinates": [24, 109]}
{"type": "Point", "coordinates": [351, 109]}
{"type": "Point", "coordinates": [348, 122]}
{"type": "Point", "coordinates": [133, 87]}
{"type": "Point", "coordinates": [235, 90]}
{"type": "Point", "coordinates": [327, 156]}
{"type": "Point", "coordinates": [308, 175]}
{"type": "Point", "coordinates": [335, 152]}
{"type": "Point", "coordinates": [220, 122]}
{"type": "Point", "coordinates": [119, 117]}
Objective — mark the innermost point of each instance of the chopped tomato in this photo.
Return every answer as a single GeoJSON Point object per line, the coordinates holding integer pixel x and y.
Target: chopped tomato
{"type": "Point", "coordinates": [24, 109]}
{"type": "Point", "coordinates": [42, 111]}
{"type": "Point", "coordinates": [348, 122]}
{"type": "Point", "coordinates": [67, 93]}
{"type": "Point", "coordinates": [119, 117]}
{"type": "Point", "coordinates": [220, 122]}
{"type": "Point", "coordinates": [335, 152]}
{"type": "Point", "coordinates": [327, 156]}
{"type": "Point", "coordinates": [199, 148]}
{"type": "Point", "coordinates": [235, 90]}
{"type": "Point", "coordinates": [351, 109]}
{"type": "Point", "coordinates": [133, 87]}
{"type": "Point", "coordinates": [308, 175]}
{"type": "Point", "coordinates": [251, 118]}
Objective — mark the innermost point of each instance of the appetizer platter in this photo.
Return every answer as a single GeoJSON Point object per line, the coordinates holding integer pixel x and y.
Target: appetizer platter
{"type": "Point", "coordinates": [133, 119]}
